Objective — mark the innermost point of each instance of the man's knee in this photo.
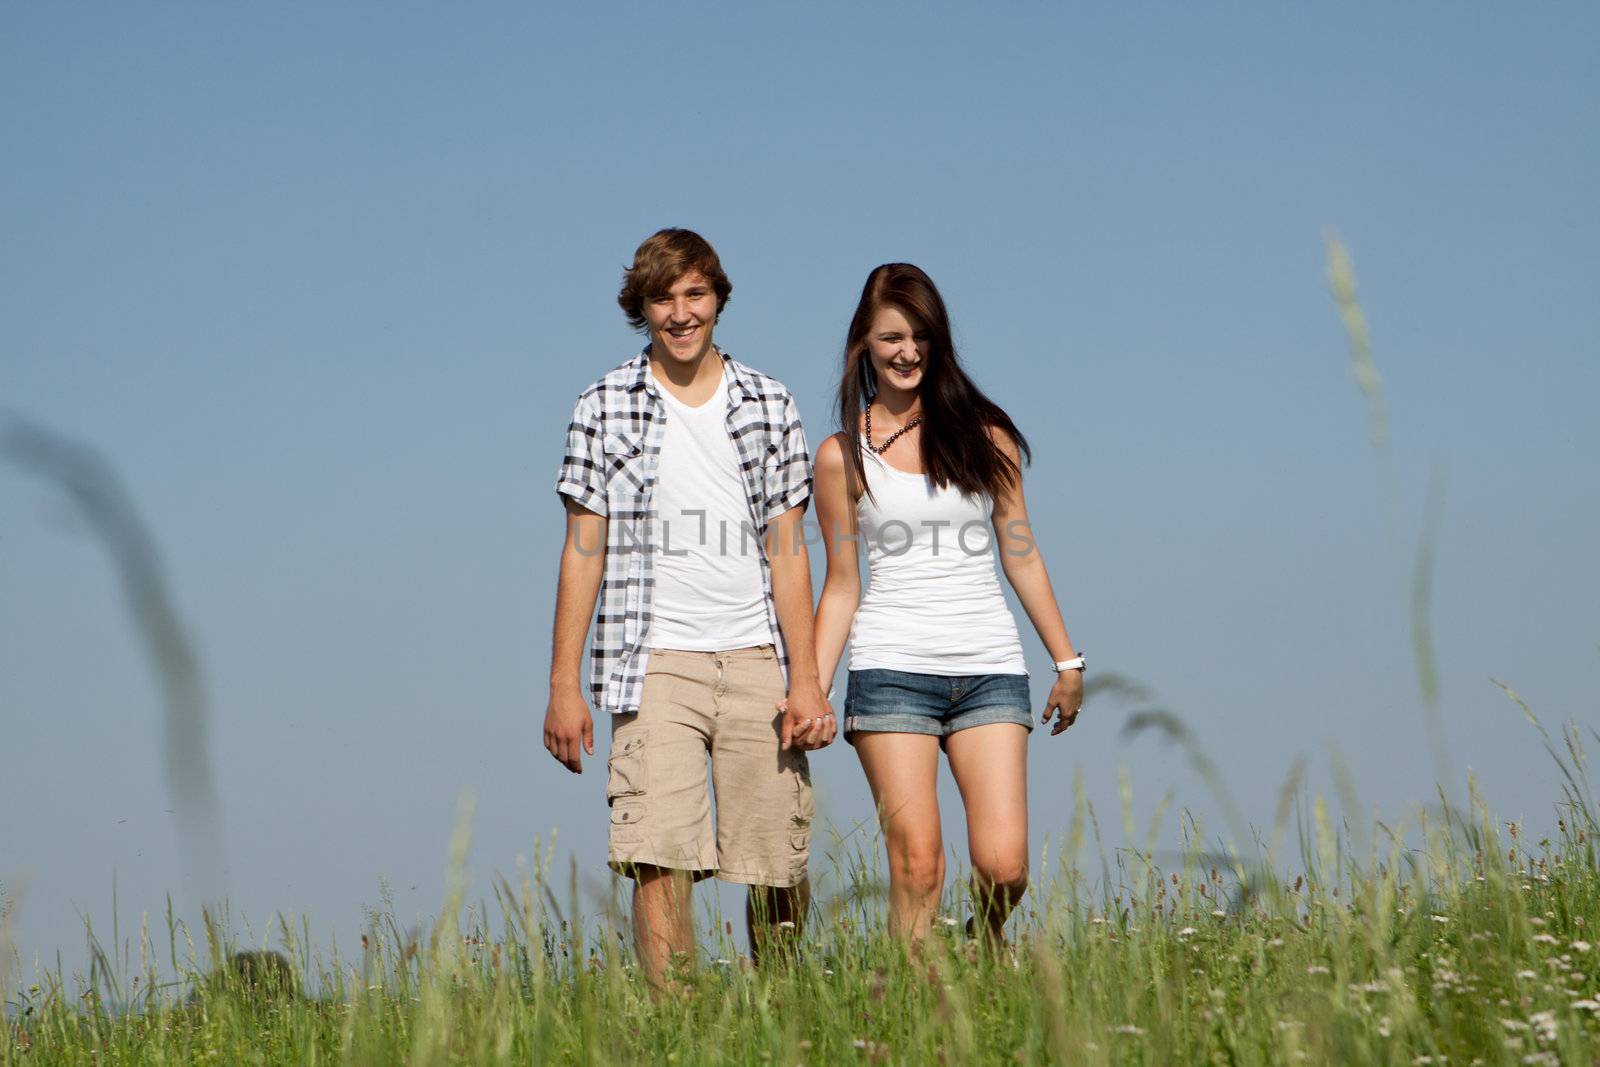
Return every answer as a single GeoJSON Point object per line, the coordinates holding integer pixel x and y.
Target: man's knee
{"type": "Point", "coordinates": [661, 886]}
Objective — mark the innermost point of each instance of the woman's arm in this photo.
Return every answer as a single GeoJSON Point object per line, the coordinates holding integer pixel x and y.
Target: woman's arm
{"type": "Point", "coordinates": [841, 589]}
{"type": "Point", "coordinates": [1024, 568]}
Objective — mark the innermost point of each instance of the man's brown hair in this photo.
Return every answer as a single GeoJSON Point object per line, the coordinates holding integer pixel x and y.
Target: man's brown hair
{"type": "Point", "coordinates": [663, 258]}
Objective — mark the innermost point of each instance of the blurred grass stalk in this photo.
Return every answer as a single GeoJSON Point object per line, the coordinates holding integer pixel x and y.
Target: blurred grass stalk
{"type": "Point", "coordinates": [1342, 283]}
{"type": "Point", "coordinates": [89, 481]}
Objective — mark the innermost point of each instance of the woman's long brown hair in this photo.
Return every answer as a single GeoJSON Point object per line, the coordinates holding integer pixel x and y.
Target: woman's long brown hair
{"type": "Point", "coordinates": [957, 447]}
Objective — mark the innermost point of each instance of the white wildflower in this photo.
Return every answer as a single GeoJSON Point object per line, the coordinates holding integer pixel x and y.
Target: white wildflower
{"type": "Point", "coordinates": [1527, 974]}
{"type": "Point", "coordinates": [1440, 918]}
{"type": "Point", "coordinates": [1544, 939]}
{"type": "Point", "coordinates": [1316, 968]}
{"type": "Point", "coordinates": [1219, 913]}
{"type": "Point", "coordinates": [786, 925]}
{"type": "Point", "coordinates": [1581, 946]}
{"type": "Point", "coordinates": [1514, 1025]}
{"type": "Point", "coordinates": [1188, 931]}
{"type": "Point", "coordinates": [1129, 1029]}
{"type": "Point", "coordinates": [1384, 1027]}
{"type": "Point", "coordinates": [1587, 1004]}
{"type": "Point", "coordinates": [1545, 1023]}
{"type": "Point", "coordinates": [948, 920]}
{"type": "Point", "coordinates": [1276, 942]}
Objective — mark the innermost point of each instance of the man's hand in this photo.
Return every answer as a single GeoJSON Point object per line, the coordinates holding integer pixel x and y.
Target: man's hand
{"type": "Point", "coordinates": [567, 726]}
{"type": "Point", "coordinates": [808, 721]}
{"type": "Point", "coordinates": [1066, 700]}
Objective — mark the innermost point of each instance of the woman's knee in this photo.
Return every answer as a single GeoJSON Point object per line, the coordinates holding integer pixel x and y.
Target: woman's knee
{"type": "Point", "coordinates": [917, 865]}
{"type": "Point", "coordinates": [1006, 875]}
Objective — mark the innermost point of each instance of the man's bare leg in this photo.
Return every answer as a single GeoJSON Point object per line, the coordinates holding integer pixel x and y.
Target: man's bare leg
{"type": "Point", "coordinates": [662, 927]}
{"type": "Point", "coordinates": [766, 909]}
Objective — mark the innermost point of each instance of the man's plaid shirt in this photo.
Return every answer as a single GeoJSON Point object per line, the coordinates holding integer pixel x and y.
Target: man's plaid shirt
{"type": "Point", "coordinates": [613, 445]}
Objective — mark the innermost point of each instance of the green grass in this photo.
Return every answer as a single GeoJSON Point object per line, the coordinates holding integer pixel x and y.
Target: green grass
{"type": "Point", "coordinates": [1456, 941]}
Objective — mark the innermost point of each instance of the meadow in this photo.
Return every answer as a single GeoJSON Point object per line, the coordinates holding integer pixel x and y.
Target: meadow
{"type": "Point", "coordinates": [1454, 940]}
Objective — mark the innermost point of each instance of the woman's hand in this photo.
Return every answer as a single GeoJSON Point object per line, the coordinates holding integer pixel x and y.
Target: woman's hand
{"type": "Point", "coordinates": [1066, 700]}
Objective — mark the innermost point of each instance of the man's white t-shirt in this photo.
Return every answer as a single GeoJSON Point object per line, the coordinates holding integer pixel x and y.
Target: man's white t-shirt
{"type": "Point", "coordinates": [709, 595]}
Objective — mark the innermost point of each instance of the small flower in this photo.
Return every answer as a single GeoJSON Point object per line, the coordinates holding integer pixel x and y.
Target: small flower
{"type": "Point", "coordinates": [1219, 913]}
{"type": "Point", "coordinates": [786, 925]}
{"type": "Point", "coordinates": [1586, 1004]}
{"type": "Point", "coordinates": [1316, 968]}
{"type": "Point", "coordinates": [1527, 974]}
{"type": "Point", "coordinates": [1188, 931]}
{"type": "Point", "coordinates": [1513, 1025]}
{"type": "Point", "coordinates": [1544, 939]}
{"type": "Point", "coordinates": [1276, 942]}
{"type": "Point", "coordinates": [1383, 1027]}
{"type": "Point", "coordinates": [1581, 946]}
{"type": "Point", "coordinates": [1129, 1029]}
{"type": "Point", "coordinates": [948, 920]}
{"type": "Point", "coordinates": [1440, 918]}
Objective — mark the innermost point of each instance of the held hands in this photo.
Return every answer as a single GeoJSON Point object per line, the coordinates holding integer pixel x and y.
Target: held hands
{"type": "Point", "coordinates": [1066, 700]}
{"type": "Point", "coordinates": [808, 721]}
{"type": "Point", "coordinates": [567, 726]}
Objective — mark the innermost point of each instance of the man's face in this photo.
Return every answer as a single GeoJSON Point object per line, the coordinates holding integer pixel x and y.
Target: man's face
{"type": "Point", "coordinates": [681, 319]}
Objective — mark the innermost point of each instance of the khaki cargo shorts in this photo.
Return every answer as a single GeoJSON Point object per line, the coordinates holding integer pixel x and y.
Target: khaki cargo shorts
{"type": "Point", "coordinates": [721, 704]}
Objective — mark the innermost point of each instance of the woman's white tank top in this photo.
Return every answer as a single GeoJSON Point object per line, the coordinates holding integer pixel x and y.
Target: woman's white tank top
{"type": "Point", "coordinates": [933, 603]}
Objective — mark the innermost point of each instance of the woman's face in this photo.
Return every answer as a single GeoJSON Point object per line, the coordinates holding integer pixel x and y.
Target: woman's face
{"type": "Point", "coordinates": [898, 349]}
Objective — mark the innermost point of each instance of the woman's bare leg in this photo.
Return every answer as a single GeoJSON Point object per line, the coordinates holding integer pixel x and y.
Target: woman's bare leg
{"type": "Point", "coordinates": [903, 771]}
{"type": "Point", "coordinates": [990, 764]}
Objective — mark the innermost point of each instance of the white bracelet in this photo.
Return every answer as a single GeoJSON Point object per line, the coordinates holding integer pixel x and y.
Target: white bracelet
{"type": "Point", "coordinates": [1074, 664]}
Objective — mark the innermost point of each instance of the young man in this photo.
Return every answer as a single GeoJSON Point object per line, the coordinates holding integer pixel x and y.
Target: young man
{"type": "Point", "coordinates": [685, 480]}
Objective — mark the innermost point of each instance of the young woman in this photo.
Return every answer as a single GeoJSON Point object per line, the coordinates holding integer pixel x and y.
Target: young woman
{"type": "Point", "coordinates": [927, 476]}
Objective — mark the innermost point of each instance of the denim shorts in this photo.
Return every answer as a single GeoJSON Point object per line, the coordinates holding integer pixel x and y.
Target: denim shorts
{"type": "Point", "coordinates": [885, 701]}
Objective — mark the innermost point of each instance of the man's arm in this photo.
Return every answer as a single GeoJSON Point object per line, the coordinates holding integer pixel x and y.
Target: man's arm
{"type": "Point", "coordinates": [568, 725]}
{"type": "Point", "coordinates": [808, 720]}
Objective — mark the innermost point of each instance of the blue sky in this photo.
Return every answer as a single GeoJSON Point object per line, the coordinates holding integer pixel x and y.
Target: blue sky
{"type": "Point", "coordinates": [323, 282]}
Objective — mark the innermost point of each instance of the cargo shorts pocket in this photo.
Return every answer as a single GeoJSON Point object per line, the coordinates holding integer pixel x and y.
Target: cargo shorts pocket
{"type": "Point", "coordinates": [626, 767]}
{"type": "Point", "coordinates": [800, 821]}
{"type": "Point", "coordinates": [626, 775]}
